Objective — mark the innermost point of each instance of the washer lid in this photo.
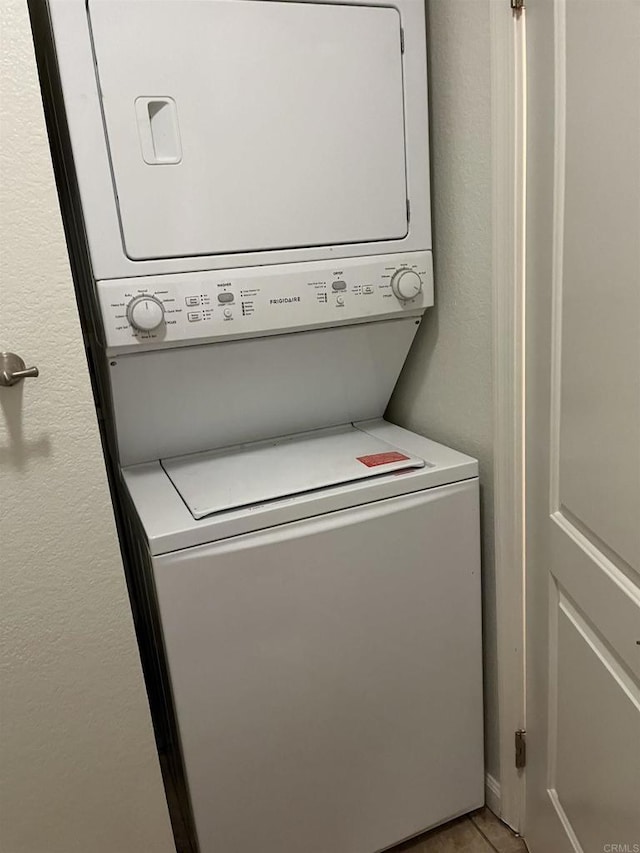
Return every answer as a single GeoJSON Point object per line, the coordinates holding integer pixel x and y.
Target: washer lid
{"type": "Point", "coordinates": [253, 473]}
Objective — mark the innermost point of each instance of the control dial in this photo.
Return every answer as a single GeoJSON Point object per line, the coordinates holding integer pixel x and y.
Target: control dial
{"type": "Point", "coordinates": [406, 284]}
{"type": "Point", "coordinates": [145, 313]}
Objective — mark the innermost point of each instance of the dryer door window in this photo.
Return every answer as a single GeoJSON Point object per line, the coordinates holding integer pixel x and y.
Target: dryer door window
{"type": "Point", "coordinates": [245, 125]}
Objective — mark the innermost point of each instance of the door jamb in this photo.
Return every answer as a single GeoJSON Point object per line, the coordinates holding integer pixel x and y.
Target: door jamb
{"type": "Point", "coordinates": [508, 98]}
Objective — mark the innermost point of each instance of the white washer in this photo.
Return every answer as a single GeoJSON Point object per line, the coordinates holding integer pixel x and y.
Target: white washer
{"type": "Point", "coordinates": [324, 646]}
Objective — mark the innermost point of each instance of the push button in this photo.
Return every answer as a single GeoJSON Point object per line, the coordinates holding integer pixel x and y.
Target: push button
{"type": "Point", "coordinates": [339, 285]}
{"type": "Point", "coordinates": [192, 301]}
{"type": "Point", "coordinates": [225, 297]}
{"type": "Point", "coordinates": [194, 316]}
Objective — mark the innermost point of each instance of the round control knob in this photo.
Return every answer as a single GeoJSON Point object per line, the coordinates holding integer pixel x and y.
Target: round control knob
{"type": "Point", "coordinates": [145, 313]}
{"type": "Point", "coordinates": [406, 284]}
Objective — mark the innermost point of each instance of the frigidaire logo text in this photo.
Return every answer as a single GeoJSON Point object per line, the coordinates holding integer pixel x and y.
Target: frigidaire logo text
{"type": "Point", "coordinates": [284, 299]}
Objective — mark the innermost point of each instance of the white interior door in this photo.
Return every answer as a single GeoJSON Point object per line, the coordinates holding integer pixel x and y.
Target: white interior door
{"type": "Point", "coordinates": [240, 126]}
{"type": "Point", "coordinates": [583, 426]}
{"type": "Point", "coordinates": [78, 760]}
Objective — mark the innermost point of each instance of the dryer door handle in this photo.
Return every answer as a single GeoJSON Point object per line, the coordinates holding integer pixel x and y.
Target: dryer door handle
{"type": "Point", "coordinates": [158, 131]}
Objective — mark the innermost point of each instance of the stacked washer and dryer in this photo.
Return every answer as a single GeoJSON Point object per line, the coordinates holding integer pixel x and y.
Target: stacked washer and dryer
{"type": "Point", "coordinates": [248, 184]}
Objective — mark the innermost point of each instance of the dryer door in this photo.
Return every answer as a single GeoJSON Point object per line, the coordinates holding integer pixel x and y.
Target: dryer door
{"type": "Point", "coordinates": [244, 125]}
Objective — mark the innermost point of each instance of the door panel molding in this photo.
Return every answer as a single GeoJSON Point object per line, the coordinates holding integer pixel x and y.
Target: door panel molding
{"type": "Point", "coordinates": [564, 820]}
{"type": "Point", "coordinates": [599, 589]}
{"type": "Point", "coordinates": [565, 731]}
{"type": "Point", "coordinates": [552, 730]}
{"type": "Point", "coordinates": [598, 545]}
{"type": "Point", "coordinates": [594, 398]}
{"type": "Point", "coordinates": [601, 649]}
{"type": "Point", "coordinates": [598, 734]}
{"type": "Point", "coordinates": [557, 269]}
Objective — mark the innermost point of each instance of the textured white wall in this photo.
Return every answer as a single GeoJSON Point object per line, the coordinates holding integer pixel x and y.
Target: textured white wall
{"type": "Point", "coordinates": [78, 765]}
{"type": "Point", "coordinates": [445, 390]}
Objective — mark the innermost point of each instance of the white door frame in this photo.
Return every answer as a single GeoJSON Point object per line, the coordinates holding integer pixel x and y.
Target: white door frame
{"type": "Point", "coordinates": [508, 99]}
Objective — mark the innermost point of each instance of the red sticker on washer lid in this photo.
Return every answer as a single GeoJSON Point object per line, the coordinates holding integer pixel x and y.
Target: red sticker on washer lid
{"type": "Point", "coordinates": [382, 458]}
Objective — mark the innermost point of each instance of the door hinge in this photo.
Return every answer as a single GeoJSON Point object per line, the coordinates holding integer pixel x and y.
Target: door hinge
{"type": "Point", "coordinates": [517, 6]}
{"type": "Point", "coordinates": [521, 749]}
{"type": "Point", "coordinates": [401, 40]}
{"type": "Point", "coordinates": [408, 211]}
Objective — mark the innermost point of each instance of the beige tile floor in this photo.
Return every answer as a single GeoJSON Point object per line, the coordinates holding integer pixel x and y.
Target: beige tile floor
{"type": "Point", "coordinates": [478, 832]}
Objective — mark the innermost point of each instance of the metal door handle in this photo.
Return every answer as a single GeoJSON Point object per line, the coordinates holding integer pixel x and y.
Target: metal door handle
{"type": "Point", "coordinates": [14, 370]}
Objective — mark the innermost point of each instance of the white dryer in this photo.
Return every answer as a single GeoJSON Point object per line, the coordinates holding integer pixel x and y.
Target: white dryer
{"type": "Point", "coordinates": [319, 607]}
{"type": "Point", "coordinates": [213, 134]}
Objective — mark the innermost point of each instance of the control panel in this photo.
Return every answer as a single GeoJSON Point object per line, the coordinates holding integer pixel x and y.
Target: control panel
{"type": "Point", "coordinates": [174, 310]}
